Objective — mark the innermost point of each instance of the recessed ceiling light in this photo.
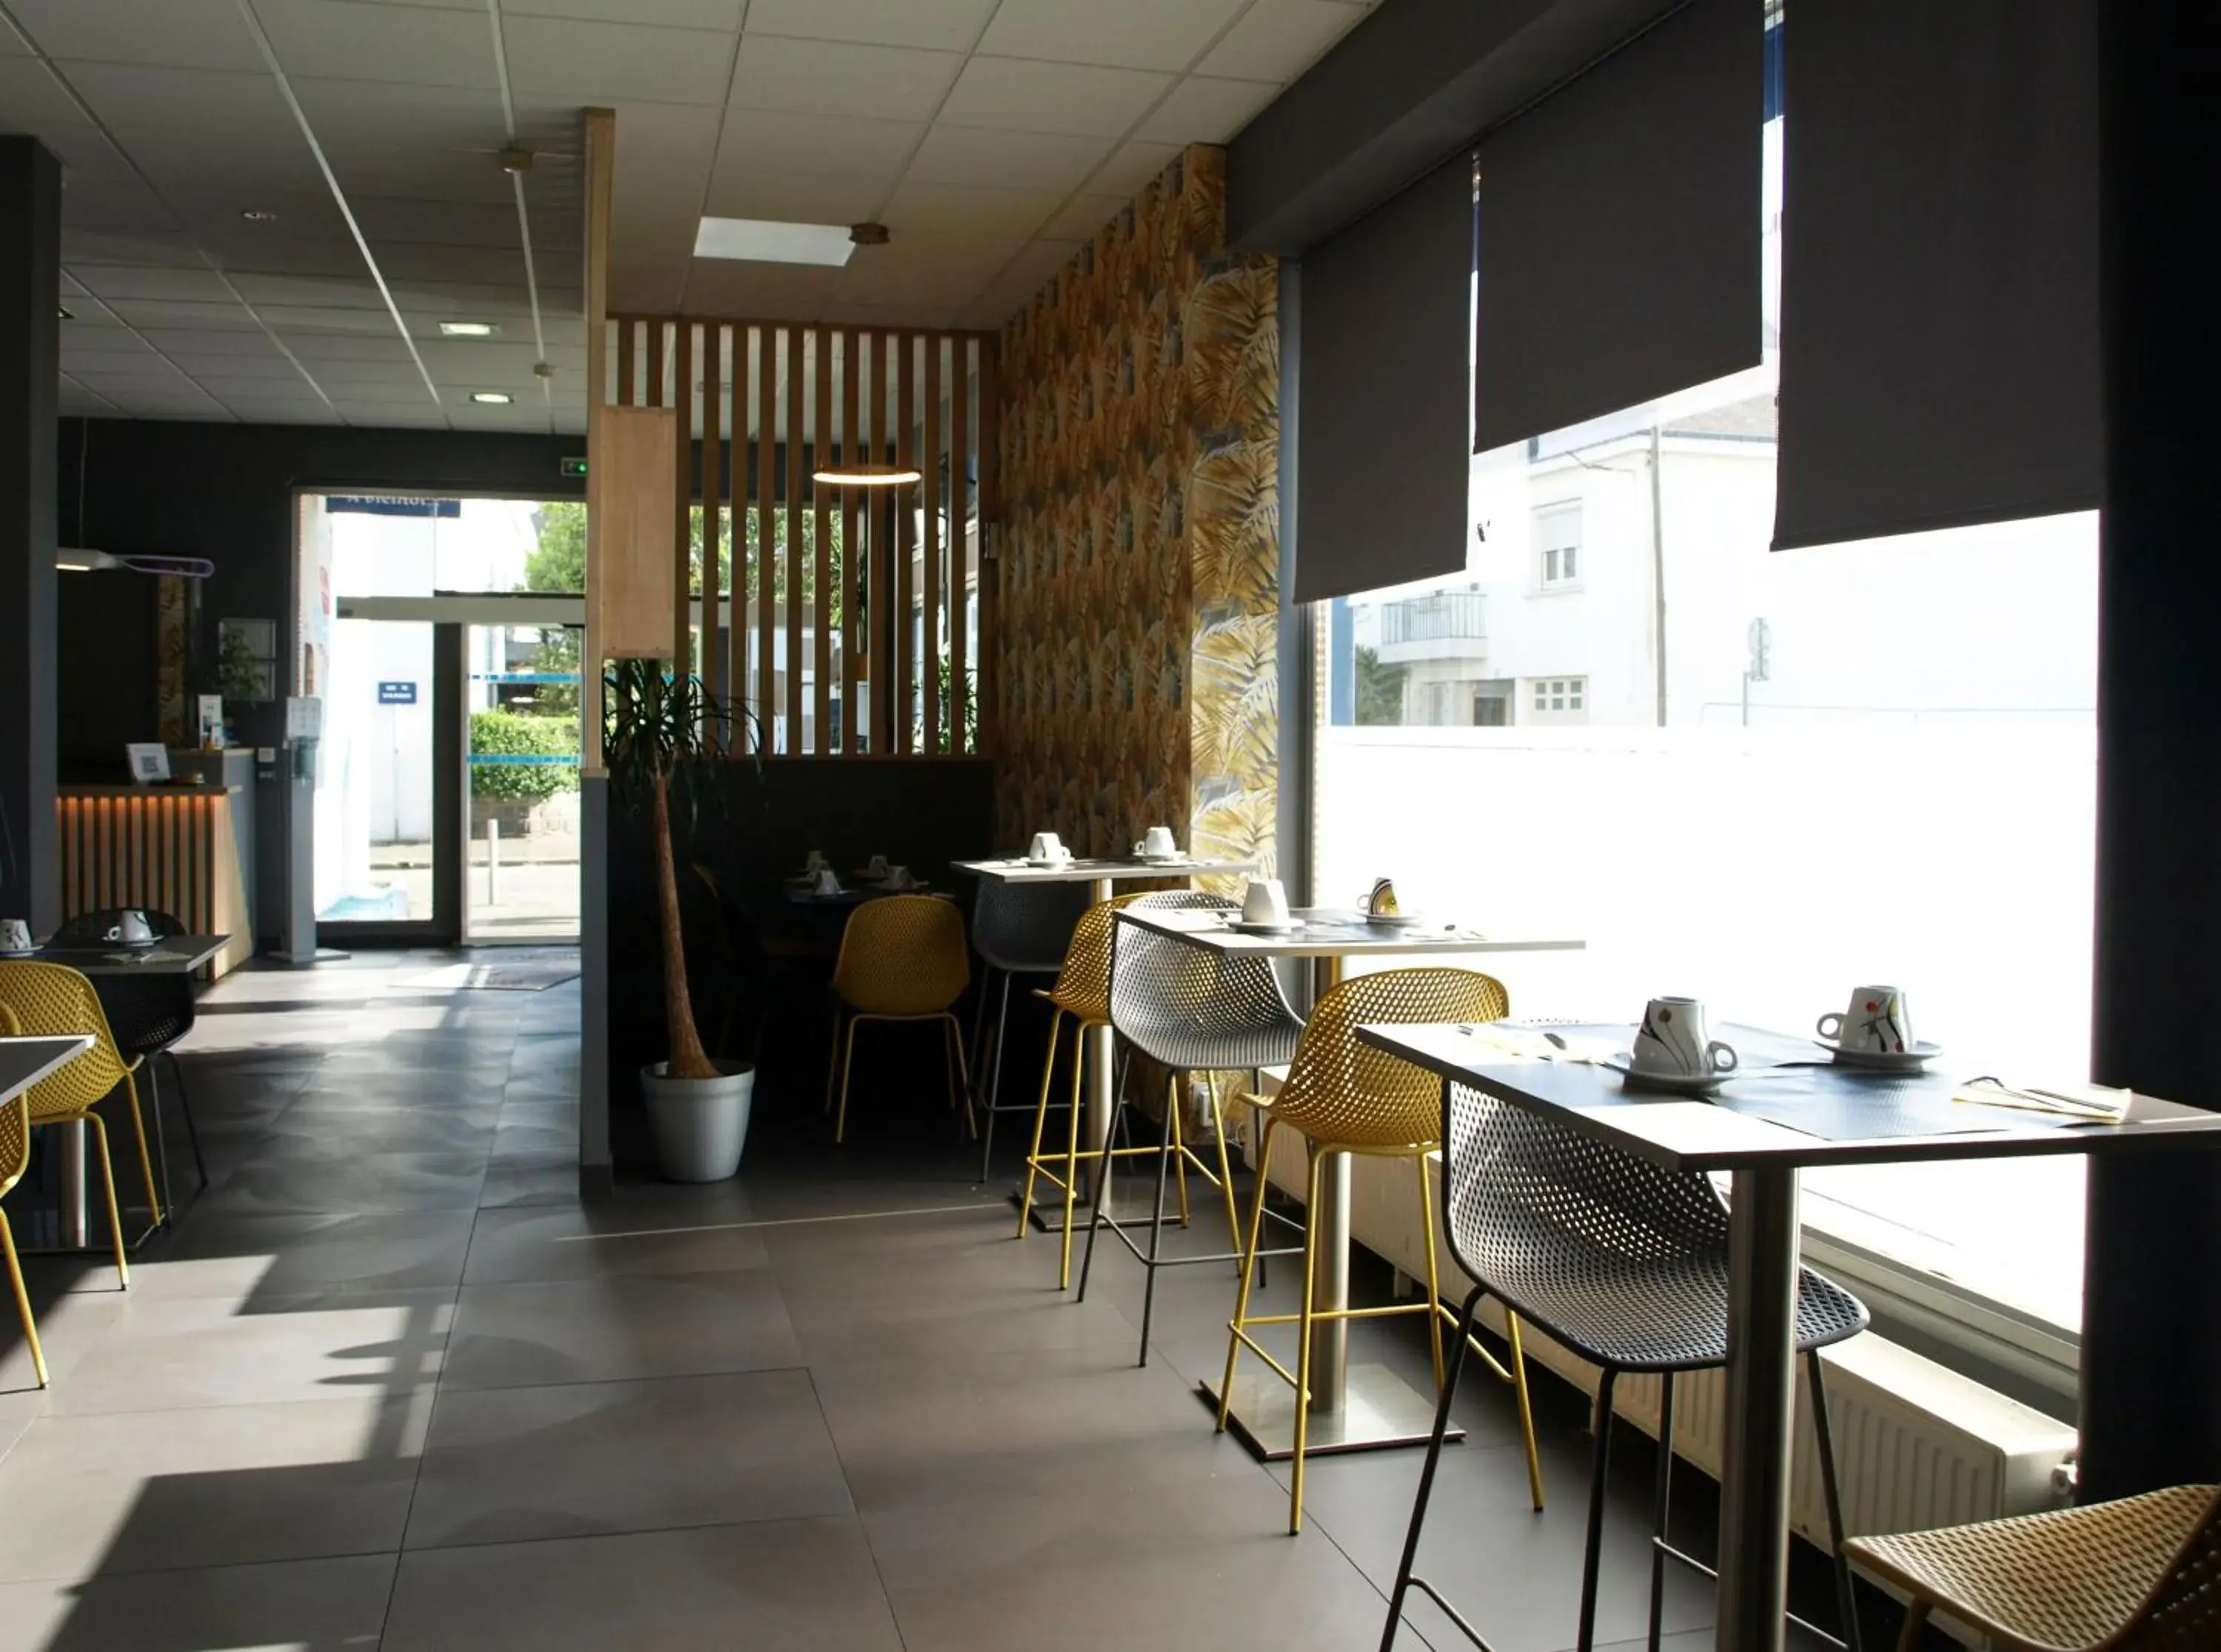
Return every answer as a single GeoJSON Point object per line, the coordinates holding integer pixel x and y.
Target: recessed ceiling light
{"type": "Point", "coordinates": [492, 398]}
{"type": "Point", "coordinates": [259, 216]}
{"type": "Point", "coordinates": [763, 241]}
{"type": "Point", "coordinates": [468, 329]}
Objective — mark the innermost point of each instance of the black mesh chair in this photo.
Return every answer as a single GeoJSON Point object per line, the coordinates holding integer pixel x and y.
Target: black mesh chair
{"type": "Point", "coordinates": [149, 1015]}
{"type": "Point", "coordinates": [1626, 1265]}
{"type": "Point", "coordinates": [1018, 929]}
{"type": "Point", "coordinates": [1191, 1010]}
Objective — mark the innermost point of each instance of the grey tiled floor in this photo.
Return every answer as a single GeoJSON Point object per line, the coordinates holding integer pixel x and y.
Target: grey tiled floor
{"type": "Point", "coordinates": [390, 1384]}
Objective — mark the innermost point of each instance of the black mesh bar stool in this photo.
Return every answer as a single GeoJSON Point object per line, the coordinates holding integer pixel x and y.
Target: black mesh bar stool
{"type": "Point", "coordinates": [1191, 1011]}
{"type": "Point", "coordinates": [148, 1015]}
{"type": "Point", "coordinates": [1018, 929]}
{"type": "Point", "coordinates": [1626, 1265]}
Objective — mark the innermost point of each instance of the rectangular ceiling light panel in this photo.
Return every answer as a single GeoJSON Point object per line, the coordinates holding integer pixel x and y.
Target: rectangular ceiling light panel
{"type": "Point", "coordinates": [763, 241]}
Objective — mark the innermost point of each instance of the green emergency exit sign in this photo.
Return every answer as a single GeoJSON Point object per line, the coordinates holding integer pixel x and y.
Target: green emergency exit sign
{"type": "Point", "coordinates": [575, 466]}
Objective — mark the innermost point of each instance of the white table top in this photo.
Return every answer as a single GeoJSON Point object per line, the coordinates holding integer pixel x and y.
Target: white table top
{"type": "Point", "coordinates": [1845, 1115]}
{"type": "Point", "coordinates": [1329, 933]}
{"type": "Point", "coordinates": [173, 955]}
{"type": "Point", "coordinates": [24, 1061]}
{"type": "Point", "coordinates": [1081, 870]}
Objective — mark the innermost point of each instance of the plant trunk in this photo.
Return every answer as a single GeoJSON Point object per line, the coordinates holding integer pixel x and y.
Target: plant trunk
{"type": "Point", "coordinates": [687, 1059]}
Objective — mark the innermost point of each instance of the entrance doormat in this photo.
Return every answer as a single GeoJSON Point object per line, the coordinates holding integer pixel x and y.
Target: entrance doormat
{"type": "Point", "coordinates": [511, 976]}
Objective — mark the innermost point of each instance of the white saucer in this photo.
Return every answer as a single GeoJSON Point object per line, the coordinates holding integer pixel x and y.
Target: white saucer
{"type": "Point", "coordinates": [1677, 1083]}
{"type": "Point", "coordinates": [1885, 1061]}
{"type": "Point", "coordinates": [1395, 920]}
{"type": "Point", "coordinates": [1165, 860]}
{"type": "Point", "coordinates": [27, 952]}
{"type": "Point", "coordinates": [1244, 927]}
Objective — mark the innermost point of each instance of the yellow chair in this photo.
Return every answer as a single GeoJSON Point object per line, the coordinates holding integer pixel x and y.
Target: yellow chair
{"type": "Point", "coordinates": [1342, 1097]}
{"type": "Point", "coordinates": [2142, 1574]}
{"type": "Point", "coordinates": [14, 1157]}
{"type": "Point", "coordinates": [49, 1000]}
{"type": "Point", "coordinates": [1083, 992]}
{"type": "Point", "coordinates": [903, 958]}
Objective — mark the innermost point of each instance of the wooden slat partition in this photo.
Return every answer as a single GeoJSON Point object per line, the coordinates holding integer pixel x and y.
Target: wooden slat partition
{"type": "Point", "coordinates": [713, 481]}
{"type": "Point", "coordinates": [767, 525]}
{"type": "Point", "coordinates": [960, 559]}
{"type": "Point", "coordinates": [861, 598]}
{"type": "Point", "coordinates": [166, 851]}
{"type": "Point", "coordinates": [852, 450]}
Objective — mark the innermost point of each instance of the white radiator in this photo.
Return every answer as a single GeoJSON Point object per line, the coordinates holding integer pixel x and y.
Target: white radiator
{"type": "Point", "coordinates": [1917, 1445]}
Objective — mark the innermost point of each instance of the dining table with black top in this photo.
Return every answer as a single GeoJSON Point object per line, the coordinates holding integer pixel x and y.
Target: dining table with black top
{"type": "Point", "coordinates": [1366, 1406]}
{"type": "Point", "coordinates": [1788, 1106]}
{"type": "Point", "coordinates": [101, 961]}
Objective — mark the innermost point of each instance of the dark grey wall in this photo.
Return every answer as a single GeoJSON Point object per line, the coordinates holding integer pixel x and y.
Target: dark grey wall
{"type": "Point", "coordinates": [30, 280]}
{"type": "Point", "coordinates": [226, 492]}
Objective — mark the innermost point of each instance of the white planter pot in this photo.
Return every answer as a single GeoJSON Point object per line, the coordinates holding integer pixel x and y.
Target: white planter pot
{"type": "Point", "coordinates": [701, 1124]}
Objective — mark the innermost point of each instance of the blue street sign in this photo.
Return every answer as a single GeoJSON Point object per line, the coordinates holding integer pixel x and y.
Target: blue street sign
{"type": "Point", "coordinates": [397, 693]}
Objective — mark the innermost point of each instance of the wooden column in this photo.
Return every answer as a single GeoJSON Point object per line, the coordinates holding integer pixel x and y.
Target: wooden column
{"type": "Point", "coordinates": [821, 529]}
{"type": "Point", "coordinates": [798, 374]}
{"type": "Point", "coordinates": [713, 539]}
{"type": "Point", "coordinates": [852, 450]}
{"type": "Point", "coordinates": [906, 456]}
{"type": "Point", "coordinates": [928, 630]}
{"type": "Point", "coordinates": [766, 490]}
{"type": "Point", "coordinates": [959, 511]}
{"type": "Point", "coordinates": [991, 545]}
{"type": "Point", "coordinates": [682, 403]}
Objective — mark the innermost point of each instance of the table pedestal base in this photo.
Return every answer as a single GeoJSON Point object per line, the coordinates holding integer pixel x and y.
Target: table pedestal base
{"type": "Point", "coordinates": [1379, 1410]}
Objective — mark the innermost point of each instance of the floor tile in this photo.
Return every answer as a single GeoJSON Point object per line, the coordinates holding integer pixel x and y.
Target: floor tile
{"type": "Point", "coordinates": [796, 1586]}
{"type": "Point", "coordinates": [147, 1491]}
{"type": "Point", "coordinates": [609, 1237]}
{"type": "Point", "coordinates": [609, 1329]}
{"type": "Point", "coordinates": [368, 1181]}
{"type": "Point", "coordinates": [512, 1464]}
{"type": "Point", "coordinates": [204, 1352]}
{"type": "Point", "coordinates": [251, 1257]}
{"type": "Point", "coordinates": [334, 1604]}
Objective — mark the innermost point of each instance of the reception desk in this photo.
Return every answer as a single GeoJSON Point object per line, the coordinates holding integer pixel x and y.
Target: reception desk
{"type": "Point", "coordinates": [185, 849]}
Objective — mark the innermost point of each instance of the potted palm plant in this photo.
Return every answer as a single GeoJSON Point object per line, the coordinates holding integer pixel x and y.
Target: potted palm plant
{"type": "Point", "coordinates": [667, 744]}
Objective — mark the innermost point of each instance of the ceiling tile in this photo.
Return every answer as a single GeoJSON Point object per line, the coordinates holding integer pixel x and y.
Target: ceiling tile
{"type": "Point", "coordinates": [186, 100]}
{"type": "Point", "coordinates": [1014, 96]}
{"type": "Point", "coordinates": [181, 34]}
{"type": "Point", "coordinates": [114, 280]}
{"type": "Point", "coordinates": [963, 209]}
{"type": "Point", "coordinates": [151, 313]}
{"type": "Point", "coordinates": [433, 117]}
{"type": "Point", "coordinates": [385, 43]}
{"type": "Point", "coordinates": [1128, 33]}
{"type": "Point", "coordinates": [289, 319]}
{"type": "Point", "coordinates": [271, 369]}
{"type": "Point", "coordinates": [793, 197]}
{"type": "Point", "coordinates": [946, 25]}
{"type": "Point", "coordinates": [327, 290]}
{"type": "Point", "coordinates": [966, 154]}
{"type": "Point", "coordinates": [1133, 169]}
{"type": "Point", "coordinates": [388, 351]}
{"type": "Point", "coordinates": [28, 96]}
{"type": "Point", "coordinates": [718, 287]}
{"type": "Point", "coordinates": [1201, 110]}
{"type": "Point", "coordinates": [1277, 39]}
{"type": "Point", "coordinates": [187, 341]}
{"type": "Point", "coordinates": [817, 77]}
{"type": "Point", "coordinates": [759, 141]}
{"type": "Point", "coordinates": [1084, 215]}
{"type": "Point", "coordinates": [673, 14]}
{"type": "Point", "coordinates": [615, 62]}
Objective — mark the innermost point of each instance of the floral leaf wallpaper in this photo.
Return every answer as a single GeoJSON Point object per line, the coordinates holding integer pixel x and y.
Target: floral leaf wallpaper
{"type": "Point", "coordinates": [1140, 562]}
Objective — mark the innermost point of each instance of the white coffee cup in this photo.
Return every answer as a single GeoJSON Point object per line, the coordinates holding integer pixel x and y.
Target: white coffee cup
{"type": "Point", "coordinates": [816, 862]}
{"type": "Point", "coordinates": [1157, 844]}
{"type": "Point", "coordinates": [129, 929]}
{"type": "Point", "coordinates": [1875, 1020]}
{"type": "Point", "coordinates": [827, 883]}
{"type": "Point", "coordinates": [14, 935]}
{"type": "Point", "coordinates": [1047, 850]}
{"type": "Point", "coordinates": [1265, 901]}
{"type": "Point", "coordinates": [877, 866]}
{"type": "Point", "coordinates": [1671, 1041]}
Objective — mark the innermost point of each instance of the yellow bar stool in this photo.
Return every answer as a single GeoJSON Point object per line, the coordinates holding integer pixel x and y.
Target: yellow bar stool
{"type": "Point", "coordinates": [50, 1001]}
{"type": "Point", "coordinates": [1342, 1097]}
{"type": "Point", "coordinates": [903, 958]}
{"type": "Point", "coordinates": [14, 1157]}
{"type": "Point", "coordinates": [1083, 993]}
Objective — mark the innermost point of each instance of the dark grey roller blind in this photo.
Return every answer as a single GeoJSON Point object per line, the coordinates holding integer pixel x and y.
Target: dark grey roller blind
{"type": "Point", "coordinates": [1620, 229]}
{"type": "Point", "coordinates": [1383, 377]}
{"type": "Point", "coordinates": [1939, 280]}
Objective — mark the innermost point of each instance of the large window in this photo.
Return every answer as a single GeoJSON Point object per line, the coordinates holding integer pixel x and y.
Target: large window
{"type": "Point", "coordinates": [1757, 778]}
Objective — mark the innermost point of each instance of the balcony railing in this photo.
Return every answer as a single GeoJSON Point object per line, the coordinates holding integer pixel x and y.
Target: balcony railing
{"type": "Point", "coordinates": [1446, 616]}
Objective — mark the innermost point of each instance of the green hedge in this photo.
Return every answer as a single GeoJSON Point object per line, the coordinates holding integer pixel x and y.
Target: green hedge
{"type": "Point", "coordinates": [506, 734]}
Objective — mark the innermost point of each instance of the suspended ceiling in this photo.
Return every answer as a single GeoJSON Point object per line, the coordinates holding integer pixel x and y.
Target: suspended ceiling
{"type": "Point", "coordinates": [991, 136]}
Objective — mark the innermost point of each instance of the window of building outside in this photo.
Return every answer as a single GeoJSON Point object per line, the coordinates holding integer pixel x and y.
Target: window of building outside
{"type": "Point", "coordinates": [1897, 786]}
{"type": "Point", "coordinates": [1558, 532]}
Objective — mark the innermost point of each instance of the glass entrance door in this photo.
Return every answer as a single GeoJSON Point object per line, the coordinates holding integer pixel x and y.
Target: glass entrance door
{"type": "Point", "coordinates": [379, 796]}
{"type": "Point", "coordinates": [521, 880]}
